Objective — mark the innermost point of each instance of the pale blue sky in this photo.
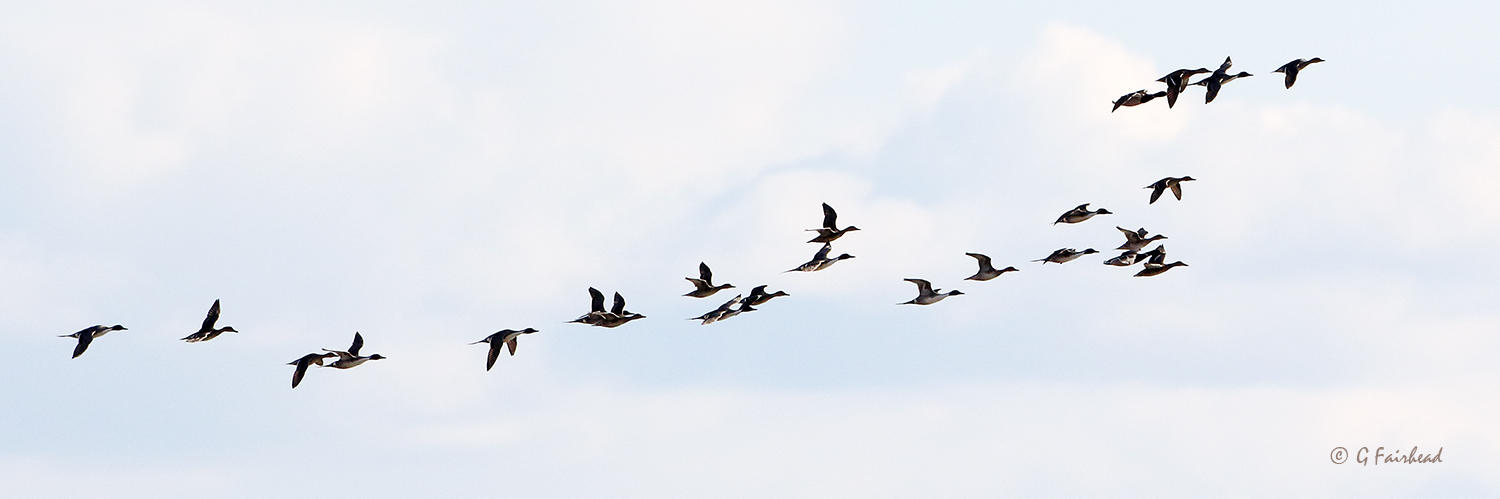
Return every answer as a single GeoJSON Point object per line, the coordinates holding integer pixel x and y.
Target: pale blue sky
{"type": "Point", "coordinates": [430, 175]}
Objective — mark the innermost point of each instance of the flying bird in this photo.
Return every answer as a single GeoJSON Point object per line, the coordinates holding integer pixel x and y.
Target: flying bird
{"type": "Point", "coordinates": [1136, 98]}
{"type": "Point", "coordinates": [1125, 259]}
{"type": "Point", "coordinates": [1136, 239]}
{"type": "Point", "coordinates": [504, 338]}
{"type": "Point", "coordinates": [1173, 183]}
{"type": "Point", "coordinates": [926, 295]}
{"type": "Point", "coordinates": [758, 295]}
{"type": "Point", "coordinates": [1291, 69]}
{"type": "Point", "coordinates": [351, 358]}
{"type": "Point", "coordinates": [1217, 80]}
{"type": "Point", "coordinates": [303, 362]}
{"type": "Point", "coordinates": [986, 271]}
{"type": "Point", "coordinates": [1177, 82]}
{"type": "Point", "coordinates": [705, 283]}
{"type": "Point", "coordinates": [719, 313]}
{"type": "Point", "coordinates": [1065, 255]}
{"type": "Point", "coordinates": [1153, 269]}
{"type": "Point", "coordinates": [821, 260]}
{"type": "Point", "coordinates": [206, 331]}
{"type": "Point", "coordinates": [1079, 214]}
{"type": "Point", "coordinates": [86, 336]}
{"type": "Point", "coordinates": [617, 315]}
{"type": "Point", "coordinates": [596, 309]}
{"type": "Point", "coordinates": [830, 229]}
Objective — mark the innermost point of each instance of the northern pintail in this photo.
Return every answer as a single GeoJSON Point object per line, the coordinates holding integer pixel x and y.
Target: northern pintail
{"type": "Point", "coordinates": [501, 339]}
{"type": "Point", "coordinates": [207, 331]}
{"type": "Point", "coordinates": [1173, 183]}
{"type": "Point", "coordinates": [705, 283]}
{"type": "Point", "coordinates": [986, 271]}
{"type": "Point", "coordinates": [830, 229]}
{"type": "Point", "coordinates": [1291, 69]}
{"type": "Point", "coordinates": [86, 336]}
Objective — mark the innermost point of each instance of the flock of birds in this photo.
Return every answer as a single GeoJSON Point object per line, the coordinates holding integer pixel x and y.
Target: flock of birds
{"type": "Point", "coordinates": [1153, 261]}
{"type": "Point", "coordinates": [1177, 82]}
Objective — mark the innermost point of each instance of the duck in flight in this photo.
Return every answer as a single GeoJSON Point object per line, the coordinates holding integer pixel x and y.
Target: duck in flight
{"type": "Point", "coordinates": [86, 336]}
{"type": "Point", "coordinates": [1136, 98]}
{"type": "Point", "coordinates": [719, 313]}
{"type": "Point", "coordinates": [1217, 80]}
{"type": "Point", "coordinates": [207, 331]}
{"type": "Point", "coordinates": [830, 229]}
{"type": "Point", "coordinates": [704, 284]}
{"type": "Point", "coordinates": [351, 358]}
{"type": "Point", "coordinates": [1291, 69]}
{"type": "Point", "coordinates": [1177, 82]}
{"type": "Point", "coordinates": [821, 260]}
{"type": "Point", "coordinates": [1136, 239]}
{"type": "Point", "coordinates": [304, 361]}
{"type": "Point", "coordinates": [987, 270]}
{"type": "Point", "coordinates": [758, 295]}
{"type": "Point", "coordinates": [596, 309]}
{"type": "Point", "coordinates": [504, 338]}
{"type": "Point", "coordinates": [1125, 259]}
{"type": "Point", "coordinates": [1173, 183]}
{"type": "Point", "coordinates": [1065, 255]}
{"type": "Point", "coordinates": [926, 295]}
{"type": "Point", "coordinates": [617, 315]}
{"type": "Point", "coordinates": [1079, 214]}
{"type": "Point", "coordinates": [1153, 269]}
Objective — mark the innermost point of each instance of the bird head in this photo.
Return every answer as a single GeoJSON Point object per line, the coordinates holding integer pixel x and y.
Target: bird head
{"type": "Point", "coordinates": [377, 357]}
{"type": "Point", "coordinates": [117, 327]}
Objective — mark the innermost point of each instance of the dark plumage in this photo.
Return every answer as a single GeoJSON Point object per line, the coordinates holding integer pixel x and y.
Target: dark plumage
{"type": "Point", "coordinates": [830, 229]}
{"type": "Point", "coordinates": [207, 331]}
{"type": "Point", "coordinates": [704, 284]}
{"type": "Point", "coordinates": [1292, 69]}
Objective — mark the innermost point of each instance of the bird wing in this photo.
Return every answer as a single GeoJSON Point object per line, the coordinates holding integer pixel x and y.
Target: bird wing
{"type": "Point", "coordinates": [699, 283]}
{"type": "Point", "coordinates": [1130, 235]}
{"type": "Point", "coordinates": [1213, 85]}
{"type": "Point", "coordinates": [923, 287]}
{"type": "Point", "coordinates": [1156, 190]}
{"type": "Point", "coordinates": [494, 353]}
{"type": "Point", "coordinates": [359, 341]}
{"type": "Point", "coordinates": [512, 345]}
{"type": "Point", "coordinates": [301, 371]}
{"type": "Point", "coordinates": [1291, 74]}
{"type": "Point", "coordinates": [830, 217]}
{"type": "Point", "coordinates": [213, 317]}
{"type": "Point", "coordinates": [984, 261]}
{"type": "Point", "coordinates": [1177, 191]}
{"type": "Point", "coordinates": [83, 343]}
{"type": "Point", "coordinates": [704, 273]}
{"type": "Point", "coordinates": [619, 308]}
{"type": "Point", "coordinates": [596, 300]}
{"type": "Point", "coordinates": [823, 252]}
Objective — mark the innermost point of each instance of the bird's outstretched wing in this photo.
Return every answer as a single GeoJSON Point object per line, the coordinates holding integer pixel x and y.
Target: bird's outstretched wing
{"type": "Point", "coordinates": [923, 287]}
{"type": "Point", "coordinates": [213, 317]}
